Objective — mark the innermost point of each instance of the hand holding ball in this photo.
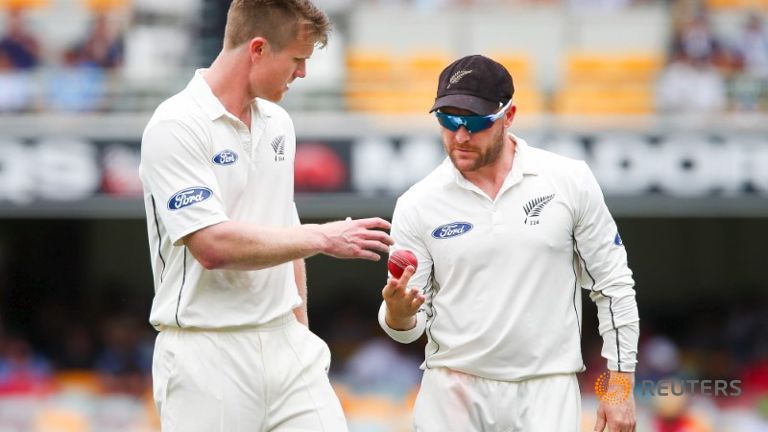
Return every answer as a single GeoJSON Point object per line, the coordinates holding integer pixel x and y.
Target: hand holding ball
{"type": "Point", "coordinates": [399, 260]}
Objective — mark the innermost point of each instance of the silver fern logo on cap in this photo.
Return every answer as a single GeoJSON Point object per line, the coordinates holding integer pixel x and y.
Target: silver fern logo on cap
{"type": "Point", "coordinates": [457, 76]}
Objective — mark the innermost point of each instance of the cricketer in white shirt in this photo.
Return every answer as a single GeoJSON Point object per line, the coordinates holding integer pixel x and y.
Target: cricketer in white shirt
{"type": "Point", "coordinates": [230, 349]}
{"type": "Point", "coordinates": [507, 236]}
{"type": "Point", "coordinates": [192, 182]}
{"type": "Point", "coordinates": [503, 278]}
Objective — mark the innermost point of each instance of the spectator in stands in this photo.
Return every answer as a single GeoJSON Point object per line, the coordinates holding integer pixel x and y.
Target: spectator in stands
{"type": "Point", "coordinates": [102, 46]}
{"type": "Point", "coordinates": [21, 369]}
{"type": "Point", "coordinates": [80, 84]}
{"type": "Point", "coordinates": [77, 85]}
{"type": "Point", "coordinates": [673, 413]}
{"type": "Point", "coordinates": [752, 47]}
{"type": "Point", "coordinates": [696, 41]}
{"type": "Point", "coordinates": [691, 85]}
{"type": "Point", "coordinates": [16, 87]}
{"type": "Point", "coordinates": [75, 348]}
{"type": "Point", "coordinates": [379, 365]}
{"type": "Point", "coordinates": [660, 358]}
{"type": "Point", "coordinates": [751, 85]}
{"type": "Point", "coordinates": [126, 360]}
{"type": "Point", "coordinates": [19, 45]}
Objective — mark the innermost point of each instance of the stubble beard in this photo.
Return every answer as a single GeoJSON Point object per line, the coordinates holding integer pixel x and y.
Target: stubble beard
{"type": "Point", "coordinates": [484, 158]}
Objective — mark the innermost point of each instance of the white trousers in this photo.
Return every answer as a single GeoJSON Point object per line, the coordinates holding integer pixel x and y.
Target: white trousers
{"type": "Point", "coordinates": [270, 378]}
{"type": "Point", "coordinates": [451, 401]}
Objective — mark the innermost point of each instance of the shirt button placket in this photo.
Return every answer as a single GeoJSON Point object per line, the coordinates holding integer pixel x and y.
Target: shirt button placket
{"type": "Point", "coordinates": [497, 221]}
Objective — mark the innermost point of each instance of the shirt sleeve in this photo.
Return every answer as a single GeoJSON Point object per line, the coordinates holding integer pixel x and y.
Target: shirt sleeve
{"type": "Point", "coordinates": [406, 234]}
{"type": "Point", "coordinates": [605, 273]}
{"type": "Point", "coordinates": [176, 172]}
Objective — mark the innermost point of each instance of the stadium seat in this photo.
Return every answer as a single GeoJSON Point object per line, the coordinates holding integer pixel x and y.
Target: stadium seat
{"type": "Point", "coordinates": [370, 77]}
{"type": "Point", "coordinates": [519, 65]}
{"type": "Point", "coordinates": [105, 5]}
{"type": "Point", "coordinates": [608, 83]}
{"type": "Point", "coordinates": [741, 5]}
{"type": "Point", "coordinates": [85, 381]}
{"type": "Point", "coordinates": [605, 99]}
{"type": "Point", "coordinates": [425, 65]}
{"type": "Point", "coordinates": [60, 420]}
{"type": "Point", "coordinates": [528, 97]}
{"type": "Point", "coordinates": [378, 82]}
{"type": "Point", "coordinates": [23, 4]}
{"type": "Point", "coordinates": [369, 64]}
{"type": "Point", "coordinates": [635, 67]}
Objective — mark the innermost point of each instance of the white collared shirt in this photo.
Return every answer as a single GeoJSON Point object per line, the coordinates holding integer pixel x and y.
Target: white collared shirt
{"type": "Point", "coordinates": [200, 166]}
{"type": "Point", "coordinates": [502, 276]}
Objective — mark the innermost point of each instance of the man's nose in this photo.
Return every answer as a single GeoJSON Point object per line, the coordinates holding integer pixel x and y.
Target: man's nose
{"type": "Point", "coordinates": [462, 135]}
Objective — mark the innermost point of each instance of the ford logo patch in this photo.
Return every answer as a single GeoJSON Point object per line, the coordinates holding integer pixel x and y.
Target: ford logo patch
{"type": "Point", "coordinates": [225, 157]}
{"type": "Point", "coordinates": [451, 230]}
{"type": "Point", "coordinates": [187, 197]}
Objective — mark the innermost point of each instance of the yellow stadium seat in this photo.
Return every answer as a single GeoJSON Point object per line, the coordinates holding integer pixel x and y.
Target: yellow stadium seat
{"type": "Point", "coordinates": [425, 65]}
{"type": "Point", "coordinates": [60, 420]}
{"type": "Point", "coordinates": [105, 5]}
{"type": "Point", "coordinates": [78, 380]}
{"type": "Point", "coordinates": [528, 100]}
{"type": "Point", "coordinates": [608, 83]}
{"type": "Point", "coordinates": [23, 4]}
{"type": "Point", "coordinates": [583, 67]}
{"type": "Point", "coordinates": [745, 5]}
{"type": "Point", "coordinates": [605, 99]}
{"type": "Point", "coordinates": [370, 66]}
{"type": "Point", "coordinates": [519, 66]}
{"type": "Point", "coordinates": [378, 82]}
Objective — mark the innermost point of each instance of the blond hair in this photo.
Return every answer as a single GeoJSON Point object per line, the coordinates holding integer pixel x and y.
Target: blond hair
{"type": "Point", "coordinates": [278, 21]}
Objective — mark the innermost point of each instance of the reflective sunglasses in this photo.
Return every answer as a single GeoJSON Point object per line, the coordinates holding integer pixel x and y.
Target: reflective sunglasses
{"type": "Point", "coordinates": [473, 123]}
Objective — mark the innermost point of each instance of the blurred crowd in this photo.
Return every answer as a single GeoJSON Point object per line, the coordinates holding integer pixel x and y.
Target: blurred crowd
{"type": "Point", "coordinates": [711, 72]}
{"type": "Point", "coordinates": [77, 82]}
{"type": "Point", "coordinates": [74, 375]}
{"type": "Point", "coordinates": [706, 69]}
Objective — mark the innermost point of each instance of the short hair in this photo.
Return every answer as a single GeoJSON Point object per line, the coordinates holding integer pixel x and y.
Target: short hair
{"type": "Point", "coordinates": [278, 21]}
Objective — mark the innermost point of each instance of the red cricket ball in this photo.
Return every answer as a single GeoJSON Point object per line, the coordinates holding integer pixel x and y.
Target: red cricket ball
{"type": "Point", "coordinates": [399, 260]}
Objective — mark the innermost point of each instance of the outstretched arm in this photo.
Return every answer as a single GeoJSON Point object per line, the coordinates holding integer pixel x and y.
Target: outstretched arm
{"type": "Point", "coordinates": [238, 245]}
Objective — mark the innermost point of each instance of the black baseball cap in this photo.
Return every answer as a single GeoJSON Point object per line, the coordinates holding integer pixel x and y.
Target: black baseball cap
{"type": "Point", "coordinates": [475, 83]}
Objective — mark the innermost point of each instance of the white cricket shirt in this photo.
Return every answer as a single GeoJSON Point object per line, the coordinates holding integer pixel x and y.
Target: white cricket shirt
{"type": "Point", "coordinates": [200, 166]}
{"type": "Point", "coordinates": [503, 277]}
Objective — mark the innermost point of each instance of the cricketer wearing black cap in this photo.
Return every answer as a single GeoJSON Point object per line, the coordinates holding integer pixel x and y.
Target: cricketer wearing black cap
{"type": "Point", "coordinates": [506, 236]}
{"type": "Point", "coordinates": [474, 83]}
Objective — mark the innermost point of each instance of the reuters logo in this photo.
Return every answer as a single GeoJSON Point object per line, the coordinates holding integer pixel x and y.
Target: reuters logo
{"type": "Point", "coordinates": [612, 389]}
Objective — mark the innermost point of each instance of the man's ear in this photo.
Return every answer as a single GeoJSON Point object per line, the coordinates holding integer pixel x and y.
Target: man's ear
{"type": "Point", "coordinates": [257, 47]}
{"type": "Point", "coordinates": [509, 116]}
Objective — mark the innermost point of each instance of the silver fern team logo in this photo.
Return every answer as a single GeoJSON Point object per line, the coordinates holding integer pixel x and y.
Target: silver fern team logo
{"type": "Point", "coordinates": [278, 145]}
{"type": "Point", "coordinates": [455, 78]}
{"type": "Point", "coordinates": [534, 207]}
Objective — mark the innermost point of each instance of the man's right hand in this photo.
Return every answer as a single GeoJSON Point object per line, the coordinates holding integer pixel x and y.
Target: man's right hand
{"type": "Point", "coordinates": [358, 238]}
{"type": "Point", "coordinates": [402, 302]}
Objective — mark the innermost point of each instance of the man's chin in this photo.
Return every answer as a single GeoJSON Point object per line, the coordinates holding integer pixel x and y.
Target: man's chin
{"type": "Point", "coordinates": [464, 164]}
